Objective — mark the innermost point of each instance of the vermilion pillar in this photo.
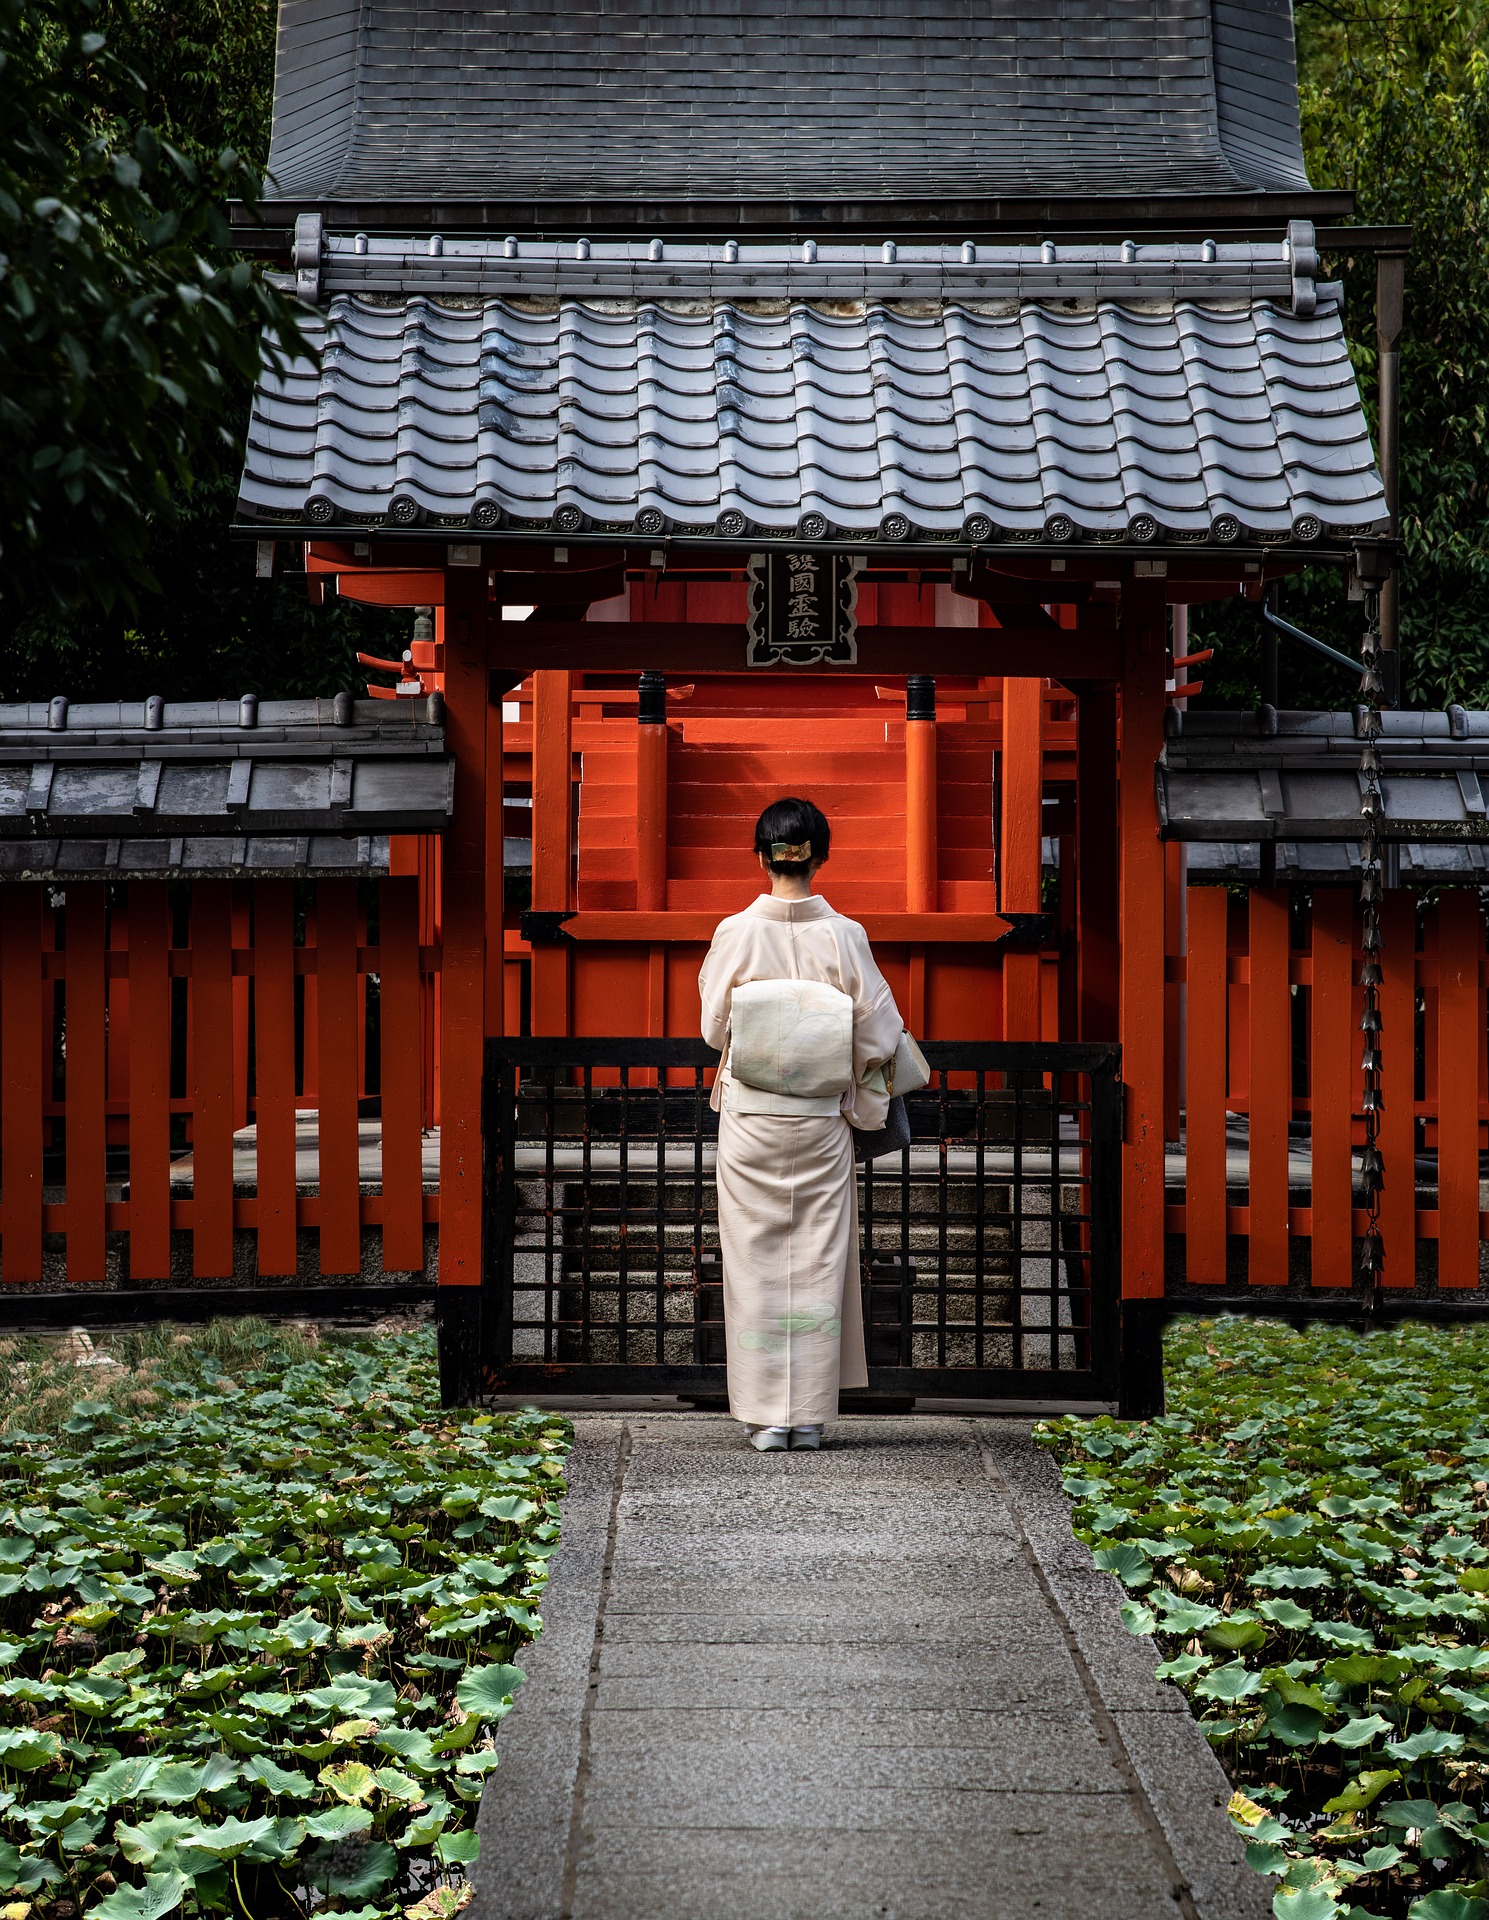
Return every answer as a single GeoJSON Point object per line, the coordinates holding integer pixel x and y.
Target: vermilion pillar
{"type": "Point", "coordinates": [651, 794]}
{"type": "Point", "coordinates": [922, 892]}
{"type": "Point", "coordinates": [1142, 904]}
{"type": "Point", "coordinates": [462, 1026]}
{"type": "Point", "coordinates": [553, 841]}
{"type": "Point", "coordinates": [1022, 785]}
{"type": "Point", "coordinates": [1096, 859]}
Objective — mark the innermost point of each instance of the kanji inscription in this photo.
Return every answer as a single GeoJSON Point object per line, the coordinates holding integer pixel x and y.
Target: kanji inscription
{"type": "Point", "coordinates": [803, 609]}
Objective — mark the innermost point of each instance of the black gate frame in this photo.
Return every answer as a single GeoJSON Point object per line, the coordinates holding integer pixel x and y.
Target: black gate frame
{"type": "Point", "coordinates": [476, 1323]}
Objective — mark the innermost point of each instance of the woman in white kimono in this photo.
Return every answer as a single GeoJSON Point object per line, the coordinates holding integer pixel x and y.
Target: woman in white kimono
{"type": "Point", "coordinates": [788, 1197]}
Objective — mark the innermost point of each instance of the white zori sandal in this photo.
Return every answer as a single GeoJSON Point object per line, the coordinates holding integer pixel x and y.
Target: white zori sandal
{"type": "Point", "coordinates": [770, 1439]}
{"type": "Point", "coordinates": [806, 1439]}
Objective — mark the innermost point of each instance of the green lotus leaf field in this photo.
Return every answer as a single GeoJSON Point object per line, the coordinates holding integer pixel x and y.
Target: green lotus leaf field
{"type": "Point", "coordinates": [260, 1607]}
{"type": "Point", "coordinates": [1306, 1536]}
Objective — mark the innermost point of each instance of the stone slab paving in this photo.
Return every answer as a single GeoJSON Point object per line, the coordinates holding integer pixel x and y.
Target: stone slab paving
{"type": "Point", "coordinates": [882, 1682]}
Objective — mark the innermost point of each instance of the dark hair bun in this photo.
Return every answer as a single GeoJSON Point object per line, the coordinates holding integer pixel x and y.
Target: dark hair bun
{"type": "Point", "coordinates": [793, 825]}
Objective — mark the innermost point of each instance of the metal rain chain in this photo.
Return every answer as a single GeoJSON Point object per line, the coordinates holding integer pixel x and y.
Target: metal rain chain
{"type": "Point", "coordinates": [1372, 814]}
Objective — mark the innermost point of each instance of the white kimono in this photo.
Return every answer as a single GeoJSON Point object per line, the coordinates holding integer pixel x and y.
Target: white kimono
{"type": "Point", "coordinates": [788, 1195]}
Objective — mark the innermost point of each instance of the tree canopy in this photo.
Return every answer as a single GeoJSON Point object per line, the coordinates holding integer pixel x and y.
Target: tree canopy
{"type": "Point", "coordinates": [1395, 100]}
{"type": "Point", "coordinates": [129, 338]}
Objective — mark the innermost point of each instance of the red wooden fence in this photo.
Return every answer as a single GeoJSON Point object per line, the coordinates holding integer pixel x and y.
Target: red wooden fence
{"type": "Point", "coordinates": [142, 1023]}
{"type": "Point", "coordinates": [1271, 1037]}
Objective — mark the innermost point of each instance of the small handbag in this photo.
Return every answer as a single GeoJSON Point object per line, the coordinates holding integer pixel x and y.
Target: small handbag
{"type": "Point", "coordinates": [907, 1072]}
{"type": "Point", "coordinates": [892, 1137]}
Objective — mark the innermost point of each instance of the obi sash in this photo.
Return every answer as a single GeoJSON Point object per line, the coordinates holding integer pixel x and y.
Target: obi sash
{"type": "Point", "coordinates": [790, 1047]}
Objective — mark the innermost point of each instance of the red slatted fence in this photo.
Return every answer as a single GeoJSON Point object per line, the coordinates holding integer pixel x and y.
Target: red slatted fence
{"type": "Point", "coordinates": [1271, 1038]}
{"type": "Point", "coordinates": [141, 1023]}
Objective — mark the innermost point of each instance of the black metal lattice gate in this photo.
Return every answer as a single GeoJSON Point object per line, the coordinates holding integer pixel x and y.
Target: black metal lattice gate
{"type": "Point", "coordinates": [990, 1247]}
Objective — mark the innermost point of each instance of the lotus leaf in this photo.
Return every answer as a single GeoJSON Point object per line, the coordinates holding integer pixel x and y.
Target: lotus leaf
{"type": "Point", "coordinates": [1363, 1731]}
{"type": "Point", "coordinates": [1431, 1740]}
{"type": "Point", "coordinates": [425, 1828]}
{"type": "Point", "coordinates": [22, 1751]}
{"type": "Point", "coordinates": [1183, 1666]}
{"type": "Point", "coordinates": [459, 1736]}
{"type": "Point", "coordinates": [280, 1781]}
{"type": "Point", "coordinates": [1239, 1635]}
{"type": "Point", "coordinates": [1305, 1903]}
{"type": "Point", "coordinates": [162, 1836]}
{"type": "Point", "coordinates": [458, 1849]}
{"type": "Point", "coordinates": [231, 1836]}
{"type": "Point", "coordinates": [162, 1893]}
{"type": "Point", "coordinates": [1229, 1683]}
{"type": "Point", "coordinates": [353, 1782]}
{"type": "Point", "coordinates": [1182, 1616]}
{"type": "Point", "coordinates": [511, 1507]}
{"type": "Point", "coordinates": [338, 1823]}
{"type": "Point", "coordinates": [487, 1691]}
{"type": "Point", "coordinates": [281, 1840]}
{"type": "Point", "coordinates": [1287, 1614]}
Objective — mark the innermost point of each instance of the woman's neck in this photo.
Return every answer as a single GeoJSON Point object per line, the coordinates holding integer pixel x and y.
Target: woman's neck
{"type": "Point", "coordinates": [790, 886]}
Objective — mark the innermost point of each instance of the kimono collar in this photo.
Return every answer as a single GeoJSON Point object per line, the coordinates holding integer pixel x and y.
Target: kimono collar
{"type": "Point", "coordinates": [814, 907]}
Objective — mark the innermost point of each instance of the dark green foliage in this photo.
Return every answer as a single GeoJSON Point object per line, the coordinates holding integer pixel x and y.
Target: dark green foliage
{"type": "Point", "coordinates": [129, 341]}
{"type": "Point", "coordinates": [213, 631]}
{"type": "Point", "coordinates": [1306, 1534]}
{"type": "Point", "coordinates": [1396, 106]}
{"type": "Point", "coordinates": [127, 331]}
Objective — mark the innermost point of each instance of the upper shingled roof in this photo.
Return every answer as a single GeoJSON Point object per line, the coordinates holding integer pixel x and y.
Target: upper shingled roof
{"type": "Point", "coordinates": [598, 102]}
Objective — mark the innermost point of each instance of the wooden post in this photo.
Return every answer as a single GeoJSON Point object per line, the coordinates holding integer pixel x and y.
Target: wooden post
{"type": "Point", "coordinates": [651, 794]}
{"type": "Point", "coordinates": [1270, 1103]}
{"type": "Point", "coordinates": [401, 1035]}
{"type": "Point", "coordinates": [339, 1039]}
{"type": "Point", "coordinates": [150, 1080]}
{"type": "Point", "coordinates": [274, 1073]}
{"type": "Point", "coordinates": [1019, 857]}
{"type": "Point", "coordinates": [1398, 1016]}
{"type": "Point", "coordinates": [211, 1008]}
{"type": "Point", "coordinates": [1096, 860]}
{"type": "Point", "coordinates": [1460, 1027]}
{"type": "Point", "coordinates": [1144, 625]}
{"type": "Point", "coordinates": [921, 852]}
{"type": "Point", "coordinates": [1336, 1058]}
{"type": "Point", "coordinates": [463, 986]}
{"type": "Point", "coordinates": [1204, 1090]}
{"type": "Point", "coordinates": [87, 1062]}
{"type": "Point", "coordinates": [22, 1086]}
{"type": "Point", "coordinates": [495, 860]}
{"type": "Point", "coordinates": [553, 841]}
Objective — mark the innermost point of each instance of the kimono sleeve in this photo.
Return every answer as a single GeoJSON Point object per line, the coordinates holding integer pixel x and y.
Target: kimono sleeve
{"type": "Point", "coordinates": [877, 1025]}
{"type": "Point", "coordinates": [716, 987]}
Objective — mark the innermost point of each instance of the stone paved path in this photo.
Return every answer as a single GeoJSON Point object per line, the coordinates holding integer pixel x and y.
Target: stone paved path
{"type": "Point", "coordinates": [879, 1683]}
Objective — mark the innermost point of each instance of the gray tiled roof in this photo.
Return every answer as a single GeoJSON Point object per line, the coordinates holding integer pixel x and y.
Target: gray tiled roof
{"type": "Point", "coordinates": [1072, 415]}
{"type": "Point", "coordinates": [255, 779]}
{"type": "Point", "coordinates": [1232, 863]}
{"type": "Point", "coordinates": [314, 856]}
{"type": "Point", "coordinates": [379, 100]}
{"type": "Point", "coordinates": [1294, 777]}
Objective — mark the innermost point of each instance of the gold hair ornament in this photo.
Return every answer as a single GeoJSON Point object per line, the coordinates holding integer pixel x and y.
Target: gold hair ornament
{"type": "Point", "coordinates": [784, 850]}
